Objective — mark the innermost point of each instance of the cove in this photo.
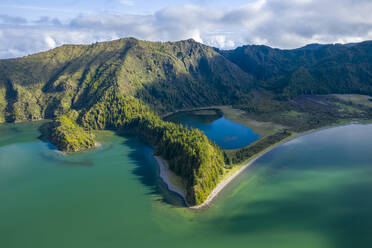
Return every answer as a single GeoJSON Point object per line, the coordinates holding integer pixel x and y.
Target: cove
{"type": "Point", "coordinates": [225, 133]}
{"type": "Point", "coordinates": [313, 191]}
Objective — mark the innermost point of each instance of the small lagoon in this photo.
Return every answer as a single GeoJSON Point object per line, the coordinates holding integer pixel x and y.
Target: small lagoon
{"type": "Point", "coordinates": [225, 133]}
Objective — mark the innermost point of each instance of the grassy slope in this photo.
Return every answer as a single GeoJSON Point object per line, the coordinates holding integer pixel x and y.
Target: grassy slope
{"type": "Point", "coordinates": [166, 76]}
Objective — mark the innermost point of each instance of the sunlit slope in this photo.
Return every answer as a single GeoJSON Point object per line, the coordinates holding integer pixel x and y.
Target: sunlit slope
{"type": "Point", "coordinates": [167, 76]}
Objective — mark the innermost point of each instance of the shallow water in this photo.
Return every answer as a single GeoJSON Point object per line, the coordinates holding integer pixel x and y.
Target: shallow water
{"type": "Point", "coordinates": [314, 191]}
{"type": "Point", "coordinates": [227, 134]}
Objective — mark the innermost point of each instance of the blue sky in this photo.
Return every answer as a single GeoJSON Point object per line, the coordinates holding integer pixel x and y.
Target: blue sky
{"type": "Point", "coordinates": [28, 27]}
{"type": "Point", "coordinates": [69, 9]}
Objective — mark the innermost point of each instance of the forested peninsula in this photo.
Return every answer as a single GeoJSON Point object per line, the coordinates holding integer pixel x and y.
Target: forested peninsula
{"type": "Point", "coordinates": [129, 84]}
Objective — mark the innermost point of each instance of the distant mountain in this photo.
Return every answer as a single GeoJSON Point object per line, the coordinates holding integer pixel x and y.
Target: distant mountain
{"type": "Point", "coordinates": [312, 46]}
{"type": "Point", "coordinates": [313, 69]}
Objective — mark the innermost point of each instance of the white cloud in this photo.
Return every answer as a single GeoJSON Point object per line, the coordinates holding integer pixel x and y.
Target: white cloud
{"type": "Point", "coordinates": [221, 41]}
{"type": "Point", "coordinates": [278, 23]}
{"type": "Point", "coordinates": [50, 42]}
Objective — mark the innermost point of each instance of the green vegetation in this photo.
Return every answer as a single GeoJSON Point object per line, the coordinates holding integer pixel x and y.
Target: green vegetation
{"type": "Point", "coordinates": [68, 136]}
{"type": "Point", "coordinates": [320, 69]}
{"type": "Point", "coordinates": [244, 118]}
{"type": "Point", "coordinates": [304, 113]}
{"type": "Point", "coordinates": [128, 84]}
{"type": "Point", "coordinates": [355, 99]}
{"type": "Point", "coordinates": [191, 155]}
{"type": "Point", "coordinates": [241, 155]}
{"type": "Point", "coordinates": [167, 76]}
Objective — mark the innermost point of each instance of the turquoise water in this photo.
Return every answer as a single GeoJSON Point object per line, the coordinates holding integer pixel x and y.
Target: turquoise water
{"type": "Point", "coordinates": [314, 191]}
{"type": "Point", "coordinates": [227, 134]}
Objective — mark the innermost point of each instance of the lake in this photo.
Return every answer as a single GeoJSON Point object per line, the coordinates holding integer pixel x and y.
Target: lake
{"type": "Point", "coordinates": [314, 191]}
{"type": "Point", "coordinates": [225, 133]}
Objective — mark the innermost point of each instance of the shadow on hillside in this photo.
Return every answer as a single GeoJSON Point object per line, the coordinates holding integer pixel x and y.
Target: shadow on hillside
{"type": "Point", "coordinates": [147, 171]}
{"type": "Point", "coordinates": [209, 81]}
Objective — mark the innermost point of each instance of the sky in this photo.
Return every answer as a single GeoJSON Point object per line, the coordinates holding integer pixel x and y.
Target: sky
{"type": "Point", "coordinates": [30, 26]}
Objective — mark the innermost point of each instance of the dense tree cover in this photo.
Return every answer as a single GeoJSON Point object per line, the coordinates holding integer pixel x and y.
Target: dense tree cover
{"type": "Point", "coordinates": [313, 69]}
{"type": "Point", "coordinates": [126, 83]}
{"type": "Point", "coordinates": [68, 136]}
{"type": "Point", "coordinates": [175, 75]}
{"type": "Point", "coordinates": [190, 154]}
{"type": "Point", "coordinates": [167, 76]}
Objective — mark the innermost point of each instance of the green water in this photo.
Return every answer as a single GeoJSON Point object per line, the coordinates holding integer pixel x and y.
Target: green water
{"type": "Point", "coordinates": [314, 191]}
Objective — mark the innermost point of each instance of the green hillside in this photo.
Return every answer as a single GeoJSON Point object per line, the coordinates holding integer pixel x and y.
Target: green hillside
{"type": "Point", "coordinates": [313, 69]}
{"type": "Point", "coordinates": [167, 76]}
{"type": "Point", "coordinates": [129, 84]}
{"type": "Point", "coordinates": [189, 152]}
{"type": "Point", "coordinates": [68, 136]}
{"type": "Point", "coordinates": [125, 84]}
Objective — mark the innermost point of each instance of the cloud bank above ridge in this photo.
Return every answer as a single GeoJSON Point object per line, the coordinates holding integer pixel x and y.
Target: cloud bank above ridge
{"type": "Point", "coordinates": [278, 23]}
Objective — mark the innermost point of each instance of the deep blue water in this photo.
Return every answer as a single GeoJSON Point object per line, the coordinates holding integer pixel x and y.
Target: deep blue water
{"type": "Point", "coordinates": [225, 133]}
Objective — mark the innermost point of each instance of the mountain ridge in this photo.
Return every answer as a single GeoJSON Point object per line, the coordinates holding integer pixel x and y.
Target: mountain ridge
{"type": "Point", "coordinates": [129, 63]}
{"type": "Point", "coordinates": [73, 75]}
{"type": "Point", "coordinates": [327, 69]}
{"type": "Point", "coordinates": [129, 83]}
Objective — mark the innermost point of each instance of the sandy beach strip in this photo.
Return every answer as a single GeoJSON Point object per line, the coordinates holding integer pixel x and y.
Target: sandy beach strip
{"type": "Point", "coordinates": [163, 173]}
{"type": "Point", "coordinates": [163, 169]}
{"type": "Point", "coordinates": [221, 185]}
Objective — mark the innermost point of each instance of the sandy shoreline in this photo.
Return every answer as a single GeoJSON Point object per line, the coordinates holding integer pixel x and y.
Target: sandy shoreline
{"type": "Point", "coordinates": [163, 173]}
{"type": "Point", "coordinates": [221, 185]}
